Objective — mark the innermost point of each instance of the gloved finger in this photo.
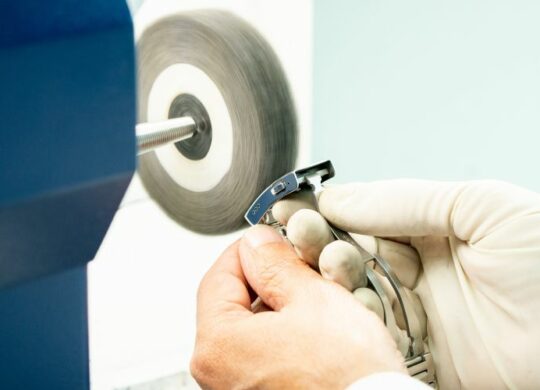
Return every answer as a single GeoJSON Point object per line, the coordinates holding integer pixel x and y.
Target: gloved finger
{"type": "Point", "coordinates": [469, 210]}
{"type": "Point", "coordinates": [273, 269]}
{"type": "Point", "coordinates": [285, 208]}
{"type": "Point", "coordinates": [418, 311]}
{"type": "Point", "coordinates": [223, 291]}
{"type": "Point", "coordinates": [309, 232]}
{"type": "Point", "coordinates": [342, 263]}
{"type": "Point", "coordinates": [392, 208]}
{"type": "Point", "coordinates": [403, 259]}
{"type": "Point", "coordinates": [401, 239]}
{"type": "Point", "coordinates": [370, 299]}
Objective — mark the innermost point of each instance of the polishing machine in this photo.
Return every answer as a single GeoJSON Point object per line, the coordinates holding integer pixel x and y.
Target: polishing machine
{"type": "Point", "coordinates": [213, 109]}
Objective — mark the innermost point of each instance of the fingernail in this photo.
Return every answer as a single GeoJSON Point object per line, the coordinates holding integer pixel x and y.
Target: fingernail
{"type": "Point", "coordinates": [260, 235]}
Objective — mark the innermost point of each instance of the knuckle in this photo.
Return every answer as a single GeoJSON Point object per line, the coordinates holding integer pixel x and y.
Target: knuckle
{"type": "Point", "coordinates": [272, 276]}
{"type": "Point", "coordinates": [205, 354]}
{"type": "Point", "coordinates": [271, 272]}
{"type": "Point", "coordinates": [196, 366]}
{"type": "Point", "coordinates": [200, 366]}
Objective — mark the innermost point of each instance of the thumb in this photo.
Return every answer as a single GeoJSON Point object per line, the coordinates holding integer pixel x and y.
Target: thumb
{"type": "Point", "coordinates": [468, 210]}
{"type": "Point", "coordinates": [273, 269]}
{"type": "Point", "coordinates": [392, 208]}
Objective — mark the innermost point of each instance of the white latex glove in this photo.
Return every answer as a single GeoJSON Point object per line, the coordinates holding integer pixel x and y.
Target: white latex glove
{"type": "Point", "coordinates": [471, 251]}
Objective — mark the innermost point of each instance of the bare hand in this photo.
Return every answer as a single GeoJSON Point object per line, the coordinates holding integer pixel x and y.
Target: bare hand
{"type": "Point", "coordinates": [313, 333]}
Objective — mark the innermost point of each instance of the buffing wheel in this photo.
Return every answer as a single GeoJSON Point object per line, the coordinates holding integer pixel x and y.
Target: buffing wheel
{"type": "Point", "coordinates": [214, 67]}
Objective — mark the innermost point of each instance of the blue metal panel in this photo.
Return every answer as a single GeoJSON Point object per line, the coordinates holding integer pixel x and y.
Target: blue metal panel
{"type": "Point", "coordinates": [67, 153]}
{"type": "Point", "coordinates": [32, 21]}
{"type": "Point", "coordinates": [44, 332]}
{"type": "Point", "coordinates": [67, 147]}
{"type": "Point", "coordinates": [58, 231]}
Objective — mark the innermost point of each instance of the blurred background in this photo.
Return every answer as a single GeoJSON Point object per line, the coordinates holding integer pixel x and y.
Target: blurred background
{"type": "Point", "coordinates": [436, 90]}
{"type": "Point", "coordinates": [385, 89]}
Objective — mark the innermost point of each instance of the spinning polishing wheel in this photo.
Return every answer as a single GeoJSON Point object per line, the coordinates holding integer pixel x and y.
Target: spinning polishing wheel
{"type": "Point", "coordinates": [213, 86]}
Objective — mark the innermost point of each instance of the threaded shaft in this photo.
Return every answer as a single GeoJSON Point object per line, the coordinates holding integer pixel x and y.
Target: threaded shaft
{"type": "Point", "coordinates": [153, 135]}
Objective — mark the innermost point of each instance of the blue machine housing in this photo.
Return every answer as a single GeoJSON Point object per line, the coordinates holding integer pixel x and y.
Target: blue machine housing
{"type": "Point", "coordinates": [67, 154]}
{"type": "Point", "coordinates": [67, 145]}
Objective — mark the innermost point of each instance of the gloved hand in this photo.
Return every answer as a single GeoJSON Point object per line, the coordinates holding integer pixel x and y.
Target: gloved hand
{"type": "Point", "coordinates": [471, 251]}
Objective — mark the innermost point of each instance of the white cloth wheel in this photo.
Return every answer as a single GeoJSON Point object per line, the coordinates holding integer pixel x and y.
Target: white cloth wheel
{"type": "Point", "coordinates": [224, 64]}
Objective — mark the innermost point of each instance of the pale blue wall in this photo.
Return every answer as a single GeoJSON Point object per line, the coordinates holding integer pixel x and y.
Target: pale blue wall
{"type": "Point", "coordinates": [430, 89]}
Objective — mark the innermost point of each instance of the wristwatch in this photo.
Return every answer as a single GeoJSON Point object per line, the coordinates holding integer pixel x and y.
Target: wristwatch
{"type": "Point", "coordinates": [417, 358]}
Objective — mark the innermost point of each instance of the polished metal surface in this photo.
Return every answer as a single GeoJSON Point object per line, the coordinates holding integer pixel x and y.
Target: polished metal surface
{"type": "Point", "coordinates": [417, 360]}
{"type": "Point", "coordinates": [156, 134]}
